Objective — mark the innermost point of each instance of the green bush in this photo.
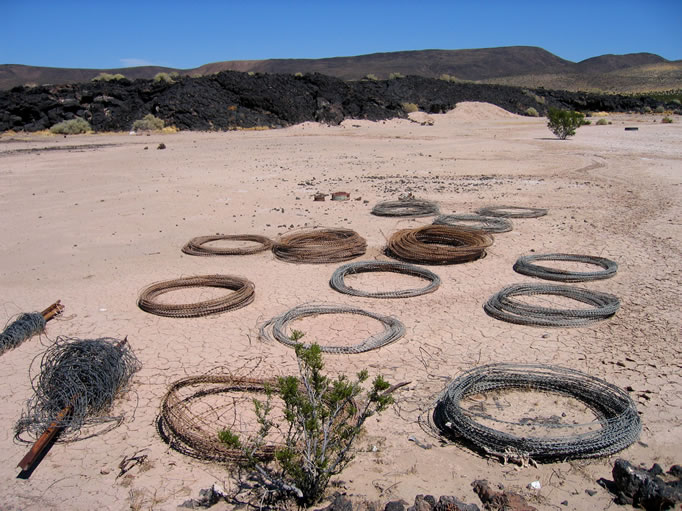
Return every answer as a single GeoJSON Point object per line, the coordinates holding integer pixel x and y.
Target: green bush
{"type": "Point", "coordinates": [563, 123]}
{"type": "Point", "coordinates": [602, 122]}
{"type": "Point", "coordinates": [409, 107]}
{"type": "Point", "coordinates": [164, 77]}
{"type": "Point", "coordinates": [372, 77]}
{"type": "Point", "coordinates": [322, 419]}
{"type": "Point", "coordinates": [108, 77]}
{"type": "Point", "coordinates": [667, 120]}
{"type": "Point", "coordinates": [71, 127]}
{"type": "Point", "coordinates": [532, 112]}
{"type": "Point", "coordinates": [659, 109]}
{"type": "Point", "coordinates": [148, 123]}
{"type": "Point", "coordinates": [393, 76]}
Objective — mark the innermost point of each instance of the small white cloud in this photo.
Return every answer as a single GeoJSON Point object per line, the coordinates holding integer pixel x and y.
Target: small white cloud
{"type": "Point", "coordinates": [135, 62]}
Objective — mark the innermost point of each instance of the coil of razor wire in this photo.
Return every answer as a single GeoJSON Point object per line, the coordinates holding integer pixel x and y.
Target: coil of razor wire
{"type": "Point", "coordinates": [503, 306]}
{"type": "Point", "coordinates": [475, 223]}
{"type": "Point", "coordinates": [438, 244]}
{"type": "Point", "coordinates": [321, 245]}
{"type": "Point", "coordinates": [244, 291]}
{"type": "Point", "coordinates": [511, 212]}
{"type": "Point", "coordinates": [338, 283]}
{"type": "Point", "coordinates": [24, 327]}
{"type": "Point", "coordinates": [197, 246]}
{"type": "Point", "coordinates": [76, 386]}
{"type": "Point", "coordinates": [414, 208]}
{"type": "Point", "coordinates": [275, 328]}
{"type": "Point", "coordinates": [618, 424]}
{"type": "Point", "coordinates": [526, 266]}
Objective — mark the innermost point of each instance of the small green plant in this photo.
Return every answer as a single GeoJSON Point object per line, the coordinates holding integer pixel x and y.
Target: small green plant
{"type": "Point", "coordinates": [164, 77]}
{"type": "Point", "coordinates": [532, 112]}
{"type": "Point", "coordinates": [602, 122]}
{"type": "Point", "coordinates": [563, 123]}
{"type": "Point", "coordinates": [322, 419]}
{"type": "Point", "coordinates": [372, 77]}
{"type": "Point", "coordinates": [409, 107]}
{"type": "Point", "coordinates": [71, 127]}
{"type": "Point", "coordinates": [393, 76]}
{"type": "Point", "coordinates": [148, 123]}
{"type": "Point", "coordinates": [667, 120]}
{"type": "Point", "coordinates": [108, 77]}
{"type": "Point", "coordinates": [298, 75]}
{"type": "Point", "coordinates": [659, 109]}
{"type": "Point", "coordinates": [676, 101]}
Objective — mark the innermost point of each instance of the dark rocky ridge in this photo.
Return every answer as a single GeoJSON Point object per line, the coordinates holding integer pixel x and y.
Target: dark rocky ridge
{"type": "Point", "coordinates": [230, 100]}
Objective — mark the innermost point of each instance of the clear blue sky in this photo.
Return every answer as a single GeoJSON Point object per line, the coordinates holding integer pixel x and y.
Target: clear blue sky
{"type": "Point", "coordinates": [97, 34]}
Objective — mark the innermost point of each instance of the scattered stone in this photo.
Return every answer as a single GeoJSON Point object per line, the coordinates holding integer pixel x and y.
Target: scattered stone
{"type": "Point", "coordinates": [395, 505]}
{"type": "Point", "coordinates": [591, 493]}
{"type": "Point", "coordinates": [161, 146]}
{"type": "Point", "coordinates": [423, 503]}
{"type": "Point", "coordinates": [104, 471]}
{"type": "Point", "coordinates": [449, 503]}
{"type": "Point", "coordinates": [207, 498]}
{"type": "Point", "coordinates": [499, 501]}
{"type": "Point", "coordinates": [564, 503]}
{"type": "Point", "coordinates": [340, 503]}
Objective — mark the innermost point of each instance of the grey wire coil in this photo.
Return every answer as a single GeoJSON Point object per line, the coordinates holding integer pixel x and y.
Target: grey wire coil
{"type": "Point", "coordinates": [24, 327]}
{"type": "Point", "coordinates": [337, 281]}
{"type": "Point", "coordinates": [503, 306]}
{"type": "Point", "coordinates": [274, 329]}
{"type": "Point", "coordinates": [525, 265]}
{"type": "Point", "coordinates": [196, 246]}
{"type": "Point", "coordinates": [76, 385]}
{"type": "Point", "coordinates": [616, 414]}
{"type": "Point", "coordinates": [512, 212]}
{"type": "Point", "coordinates": [475, 223]}
{"type": "Point", "coordinates": [411, 207]}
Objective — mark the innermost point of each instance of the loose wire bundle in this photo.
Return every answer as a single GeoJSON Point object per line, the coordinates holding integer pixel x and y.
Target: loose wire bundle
{"type": "Point", "coordinates": [475, 223]}
{"type": "Point", "coordinates": [320, 246]}
{"type": "Point", "coordinates": [438, 244]}
{"type": "Point", "coordinates": [196, 246]}
{"type": "Point", "coordinates": [337, 281]}
{"type": "Point", "coordinates": [76, 385]}
{"type": "Point", "coordinates": [27, 325]}
{"type": "Point", "coordinates": [244, 291]}
{"type": "Point", "coordinates": [502, 305]}
{"type": "Point", "coordinates": [414, 208]}
{"type": "Point", "coordinates": [275, 328]}
{"type": "Point", "coordinates": [526, 266]}
{"type": "Point", "coordinates": [617, 422]}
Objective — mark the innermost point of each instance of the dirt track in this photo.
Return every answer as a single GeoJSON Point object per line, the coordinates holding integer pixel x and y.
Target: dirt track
{"type": "Point", "coordinates": [93, 227]}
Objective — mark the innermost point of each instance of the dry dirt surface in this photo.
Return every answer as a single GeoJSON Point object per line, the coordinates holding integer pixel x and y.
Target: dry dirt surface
{"type": "Point", "coordinates": [92, 220]}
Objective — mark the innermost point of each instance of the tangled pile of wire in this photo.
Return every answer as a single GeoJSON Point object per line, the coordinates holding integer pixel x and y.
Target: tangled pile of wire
{"type": "Point", "coordinates": [243, 295]}
{"type": "Point", "coordinates": [414, 208]}
{"type": "Point", "coordinates": [475, 223]}
{"type": "Point", "coordinates": [338, 283]}
{"type": "Point", "coordinates": [617, 422]}
{"type": "Point", "coordinates": [194, 432]}
{"type": "Point", "coordinates": [438, 244]}
{"type": "Point", "coordinates": [502, 305]}
{"type": "Point", "coordinates": [196, 246]}
{"type": "Point", "coordinates": [275, 328]}
{"type": "Point", "coordinates": [526, 266]}
{"type": "Point", "coordinates": [25, 326]}
{"type": "Point", "coordinates": [77, 384]}
{"type": "Point", "coordinates": [511, 212]}
{"type": "Point", "coordinates": [322, 245]}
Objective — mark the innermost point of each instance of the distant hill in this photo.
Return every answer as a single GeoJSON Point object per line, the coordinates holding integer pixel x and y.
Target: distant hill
{"type": "Point", "coordinates": [514, 65]}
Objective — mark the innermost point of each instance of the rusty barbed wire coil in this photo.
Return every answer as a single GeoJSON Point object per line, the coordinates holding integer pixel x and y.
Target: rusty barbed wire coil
{"type": "Point", "coordinates": [438, 244]}
{"type": "Point", "coordinates": [319, 245]}
{"type": "Point", "coordinates": [196, 246]}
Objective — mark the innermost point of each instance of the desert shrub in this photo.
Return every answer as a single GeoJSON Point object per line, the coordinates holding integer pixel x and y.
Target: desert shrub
{"type": "Point", "coordinates": [563, 123]}
{"type": "Point", "coordinates": [602, 122]}
{"type": "Point", "coordinates": [539, 99]}
{"type": "Point", "coordinates": [108, 77]}
{"type": "Point", "coordinates": [659, 109]}
{"type": "Point", "coordinates": [667, 120]}
{"type": "Point", "coordinates": [71, 127]}
{"type": "Point", "coordinates": [298, 75]}
{"type": "Point", "coordinates": [646, 110]}
{"type": "Point", "coordinates": [393, 76]}
{"type": "Point", "coordinates": [409, 107]}
{"type": "Point", "coordinates": [164, 77]}
{"type": "Point", "coordinates": [371, 76]}
{"type": "Point", "coordinates": [532, 112]}
{"type": "Point", "coordinates": [148, 123]}
{"type": "Point", "coordinates": [322, 419]}
{"type": "Point", "coordinates": [676, 101]}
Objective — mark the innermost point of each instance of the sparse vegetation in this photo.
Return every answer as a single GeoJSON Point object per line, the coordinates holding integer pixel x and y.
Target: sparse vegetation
{"type": "Point", "coordinates": [409, 107]}
{"type": "Point", "coordinates": [322, 419]}
{"type": "Point", "coordinates": [298, 75]}
{"type": "Point", "coordinates": [148, 123]}
{"type": "Point", "coordinates": [371, 76]}
{"type": "Point", "coordinates": [71, 127]}
{"type": "Point", "coordinates": [108, 77]}
{"type": "Point", "coordinates": [563, 123]}
{"type": "Point", "coordinates": [393, 76]}
{"type": "Point", "coordinates": [448, 78]}
{"type": "Point", "coordinates": [659, 109]}
{"type": "Point", "coordinates": [667, 120]}
{"type": "Point", "coordinates": [164, 77]}
{"type": "Point", "coordinates": [532, 112]}
{"type": "Point", "coordinates": [602, 122]}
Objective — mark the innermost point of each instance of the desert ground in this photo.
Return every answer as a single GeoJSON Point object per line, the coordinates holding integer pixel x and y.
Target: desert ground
{"type": "Point", "coordinates": [94, 219]}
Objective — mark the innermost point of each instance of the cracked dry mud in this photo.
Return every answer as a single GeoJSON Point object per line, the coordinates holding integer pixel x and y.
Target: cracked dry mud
{"type": "Point", "coordinates": [95, 227]}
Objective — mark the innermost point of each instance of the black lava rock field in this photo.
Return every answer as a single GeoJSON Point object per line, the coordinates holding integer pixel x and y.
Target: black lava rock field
{"type": "Point", "coordinates": [231, 100]}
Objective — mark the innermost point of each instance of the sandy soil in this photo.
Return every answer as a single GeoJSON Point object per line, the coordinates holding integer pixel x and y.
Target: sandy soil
{"type": "Point", "coordinates": [92, 220]}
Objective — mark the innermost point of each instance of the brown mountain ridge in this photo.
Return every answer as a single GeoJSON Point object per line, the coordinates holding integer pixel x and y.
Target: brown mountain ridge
{"type": "Point", "coordinates": [514, 65]}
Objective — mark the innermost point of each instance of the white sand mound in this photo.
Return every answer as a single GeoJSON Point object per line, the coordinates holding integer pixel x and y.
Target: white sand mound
{"type": "Point", "coordinates": [476, 111]}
